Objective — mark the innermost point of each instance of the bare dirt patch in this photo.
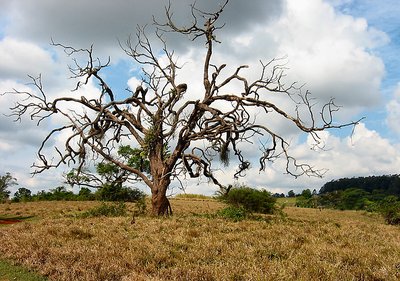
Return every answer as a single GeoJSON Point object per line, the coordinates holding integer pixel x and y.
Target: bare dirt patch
{"type": "Point", "coordinates": [9, 221]}
{"type": "Point", "coordinates": [13, 219]}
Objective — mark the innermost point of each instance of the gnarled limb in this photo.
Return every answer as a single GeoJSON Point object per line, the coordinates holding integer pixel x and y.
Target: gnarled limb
{"type": "Point", "coordinates": [162, 120]}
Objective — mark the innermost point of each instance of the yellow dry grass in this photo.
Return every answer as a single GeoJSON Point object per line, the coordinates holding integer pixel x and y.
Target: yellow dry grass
{"type": "Point", "coordinates": [46, 209]}
{"type": "Point", "coordinates": [306, 245]}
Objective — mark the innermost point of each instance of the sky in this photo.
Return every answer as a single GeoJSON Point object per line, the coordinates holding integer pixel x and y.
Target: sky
{"type": "Point", "coordinates": [345, 49]}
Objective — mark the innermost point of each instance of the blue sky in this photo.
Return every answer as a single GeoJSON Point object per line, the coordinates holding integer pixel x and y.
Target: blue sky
{"type": "Point", "coordinates": [382, 15]}
{"type": "Point", "coordinates": [346, 49]}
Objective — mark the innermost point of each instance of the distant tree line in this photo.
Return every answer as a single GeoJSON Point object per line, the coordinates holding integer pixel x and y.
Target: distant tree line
{"type": "Point", "coordinates": [386, 184]}
{"type": "Point", "coordinates": [108, 191]}
{"type": "Point", "coordinates": [375, 194]}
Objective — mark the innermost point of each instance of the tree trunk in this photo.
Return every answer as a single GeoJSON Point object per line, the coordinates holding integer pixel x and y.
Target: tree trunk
{"type": "Point", "coordinates": [160, 203]}
{"type": "Point", "coordinates": [158, 169]}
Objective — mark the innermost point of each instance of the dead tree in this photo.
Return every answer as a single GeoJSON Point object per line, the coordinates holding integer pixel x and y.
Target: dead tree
{"type": "Point", "coordinates": [162, 119]}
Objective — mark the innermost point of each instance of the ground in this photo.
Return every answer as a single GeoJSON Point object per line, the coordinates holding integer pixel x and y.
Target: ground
{"type": "Point", "coordinates": [305, 244]}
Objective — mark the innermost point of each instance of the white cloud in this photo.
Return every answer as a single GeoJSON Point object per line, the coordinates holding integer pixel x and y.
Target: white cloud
{"type": "Point", "coordinates": [13, 133]}
{"type": "Point", "coordinates": [393, 110]}
{"type": "Point", "coordinates": [103, 23]}
{"type": "Point", "coordinates": [133, 83]}
{"type": "Point", "coordinates": [364, 153]}
{"type": "Point", "coordinates": [329, 52]}
{"type": "Point", "coordinates": [20, 58]}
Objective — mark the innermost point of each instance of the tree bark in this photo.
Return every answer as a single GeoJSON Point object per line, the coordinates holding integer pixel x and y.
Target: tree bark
{"type": "Point", "coordinates": [160, 175]}
{"type": "Point", "coordinates": [160, 203]}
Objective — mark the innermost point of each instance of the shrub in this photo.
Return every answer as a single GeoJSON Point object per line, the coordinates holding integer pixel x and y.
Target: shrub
{"type": "Point", "coordinates": [251, 200]}
{"type": "Point", "coordinates": [304, 202]}
{"type": "Point", "coordinates": [390, 209]}
{"type": "Point", "coordinates": [233, 213]}
{"type": "Point", "coordinates": [140, 207]}
{"type": "Point", "coordinates": [106, 210]}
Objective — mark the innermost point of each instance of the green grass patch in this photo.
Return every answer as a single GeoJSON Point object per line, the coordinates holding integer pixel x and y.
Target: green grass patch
{"type": "Point", "coordinates": [106, 210]}
{"type": "Point", "coordinates": [233, 213]}
{"type": "Point", "coordinates": [287, 201]}
{"type": "Point", "coordinates": [12, 217]}
{"type": "Point", "coordinates": [19, 273]}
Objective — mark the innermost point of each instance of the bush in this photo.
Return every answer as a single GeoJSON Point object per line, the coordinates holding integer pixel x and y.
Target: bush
{"type": "Point", "coordinates": [251, 200]}
{"type": "Point", "coordinates": [106, 210]}
{"type": "Point", "coordinates": [140, 207]}
{"type": "Point", "coordinates": [233, 213]}
{"type": "Point", "coordinates": [389, 207]}
{"type": "Point", "coordinates": [303, 202]}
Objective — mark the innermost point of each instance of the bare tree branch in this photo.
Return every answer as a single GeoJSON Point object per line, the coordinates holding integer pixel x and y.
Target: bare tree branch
{"type": "Point", "coordinates": [161, 119]}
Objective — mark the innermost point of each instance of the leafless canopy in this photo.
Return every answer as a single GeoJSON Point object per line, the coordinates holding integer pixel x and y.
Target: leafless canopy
{"type": "Point", "coordinates": [162, 119]}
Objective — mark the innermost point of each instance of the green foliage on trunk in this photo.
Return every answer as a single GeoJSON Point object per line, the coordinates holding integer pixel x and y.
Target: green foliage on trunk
{"type": "Point", "coordinates": [135, 158]}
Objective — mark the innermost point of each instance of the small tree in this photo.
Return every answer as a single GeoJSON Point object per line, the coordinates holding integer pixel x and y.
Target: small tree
{"type": "Point", "coordinates": [85, 194]}
{"type": "Point", "coordinates": [109, 192]}
{"type": "Point", "coordinates": [23, 194]}
{"type": "Point", "coordinates": [109, 178]}
{"type": "Point", "coordinates": [306, 199]}
{"type": "Point", "coordinates": [306, 193]}
{"type": "Point", "coordinates": [163, 120]}
{"type": "Point", "coordinates": [291, 193]}
{"type": "Point", "coordinates": [41, 196]}
{"type": "Point", "coordinates": [6, 181]}
{"type": "Point", "coordinates": [278, 195]}
{"type": "Point", "coordinates": [61, 193]}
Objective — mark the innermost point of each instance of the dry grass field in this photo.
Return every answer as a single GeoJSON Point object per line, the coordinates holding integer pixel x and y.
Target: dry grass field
{"type": "Point", "coordinates": [307, 244]}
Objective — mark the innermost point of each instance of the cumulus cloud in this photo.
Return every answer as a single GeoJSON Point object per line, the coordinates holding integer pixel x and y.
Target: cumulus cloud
{"type": "Point", "coordinates": [21, 58]}
{"type": "Point", "coordinates": [12, 132]}
{"type": "Point", "coordinates": [393, 111]}
{"type": "Point", "coordinates": [362, 154]}
{"type": "Point", "coordinates": [331, 52]}
{"type": "Point", "coordinates": [326, 50]}
{"type": "Point", "coordinates": [83, 23]}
